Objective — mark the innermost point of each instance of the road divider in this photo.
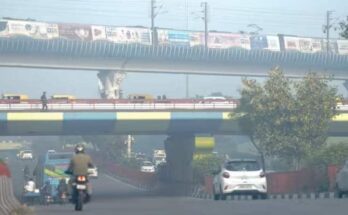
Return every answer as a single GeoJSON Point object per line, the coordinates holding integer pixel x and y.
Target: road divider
{"type": "Point", "coordinates": [8, 202]}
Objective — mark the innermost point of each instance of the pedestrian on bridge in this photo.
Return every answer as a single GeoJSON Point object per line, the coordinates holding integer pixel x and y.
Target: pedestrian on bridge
{"type": "Point", "coordinates": [44, 102]}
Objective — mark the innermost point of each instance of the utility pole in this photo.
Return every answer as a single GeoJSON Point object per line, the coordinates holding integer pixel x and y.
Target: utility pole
{"type": "Point", "coordinates": [153, 16]}
{"type": "Point", "coordinates": [327, 28]}
{"type": "Point", "coordinates": [205, 18]}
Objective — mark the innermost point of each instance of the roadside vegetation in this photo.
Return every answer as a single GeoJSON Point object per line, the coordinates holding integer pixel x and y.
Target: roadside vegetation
{"type": "Point", "coordinates": [288, 120]}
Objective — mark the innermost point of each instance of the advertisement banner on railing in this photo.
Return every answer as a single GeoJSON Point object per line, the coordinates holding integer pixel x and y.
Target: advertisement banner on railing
{"type": "Point", "coordinates": [196, 39]}
{"type": "Point", "coordinates": [171, 37]}
{"type": "Point", "coordinates": [270, 43]}
{"type": "Point", "coordinates": [3, 29]}
{"type": "Point", "coordinates": [309, 45]}
{"type": "Point", "coordinates": [258, 42]}
{"type": "Point", "coordinates": [317, 45]}
{"type": "Point", "coordinates": [75, 32]}
{"type": "Point", "coordinates": [98, 32]}
{"type": "Point", "coordinates": [273, 43]}
{"type": "Point", "coordinates": [128, 35]}
{"type": "Point", "coordinates": [227, 40]}
{"type": "Point", "coordinates": [35, 30]}
{"type": "Point", "coordinates": [342, 46]}
{"type": "Point", "coordinates": [291, 44]}
{"type": "Point", "coordinates": [333, 46]}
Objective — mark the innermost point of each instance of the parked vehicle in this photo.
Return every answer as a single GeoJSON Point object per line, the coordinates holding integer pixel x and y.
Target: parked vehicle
{"type": "Point", "coordinates": [15, 98]}
{"type": "Point", "coordinates": [342, 181]}
{"type": "Point", "coordinates": [147, 166]}
{"type": "Point", "coordinates": [240, 176]}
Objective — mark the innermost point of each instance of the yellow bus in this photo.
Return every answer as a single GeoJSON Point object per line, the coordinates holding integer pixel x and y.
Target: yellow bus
{"type": "Point", "coordinates": [141, 98]}
{"type": "Point", "coordinates": [15, 98]}
{"type": "Point", "coordinates": [63, 98]}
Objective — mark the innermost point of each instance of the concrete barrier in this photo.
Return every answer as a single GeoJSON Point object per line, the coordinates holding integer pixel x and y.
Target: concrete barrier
{"type": "Point", "coordinates": [8, 202]}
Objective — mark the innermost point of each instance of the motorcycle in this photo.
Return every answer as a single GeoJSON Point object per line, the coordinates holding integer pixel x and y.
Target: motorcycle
{"type": "Point", "coordinates": [47, 199]}
{"type": "Point", "coordinates": [80, 191]}
{"type": "Point", "coordinates": [63, 198]}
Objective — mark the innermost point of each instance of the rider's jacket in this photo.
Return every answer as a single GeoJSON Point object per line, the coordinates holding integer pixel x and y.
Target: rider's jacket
{"type": "Point", "coordinates": [79, 164]}
{"type": "Point", "coordinates": [30, 186]}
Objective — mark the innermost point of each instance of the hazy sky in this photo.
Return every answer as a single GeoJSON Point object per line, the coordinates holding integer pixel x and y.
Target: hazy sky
{"type": "Point", "coordinates": [298, 17]}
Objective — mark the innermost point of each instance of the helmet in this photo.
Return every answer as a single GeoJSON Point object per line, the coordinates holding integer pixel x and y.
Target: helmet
{"type": "Point", "coordinates": [79, 149]}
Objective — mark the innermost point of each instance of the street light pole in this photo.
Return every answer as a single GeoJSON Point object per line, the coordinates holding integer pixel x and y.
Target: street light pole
{"type": "Point", "coordinates": [153, 16]}
{"type": "Point", "coordinates": [327, 29]}
{"type": "Point", "coordinates": [205, 18]}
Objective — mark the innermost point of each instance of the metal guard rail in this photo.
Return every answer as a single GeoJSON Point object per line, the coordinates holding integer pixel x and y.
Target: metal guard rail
{"type": "Point", "coordinates": [101, 105]}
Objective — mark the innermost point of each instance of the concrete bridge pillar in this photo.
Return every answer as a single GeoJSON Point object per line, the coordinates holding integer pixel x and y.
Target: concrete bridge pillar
{"type": "Point", "coordinates": [110, 84]}
{"type": "Point", "coordinates": [179, 150]}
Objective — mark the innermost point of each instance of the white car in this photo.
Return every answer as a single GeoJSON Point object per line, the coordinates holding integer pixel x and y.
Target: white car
{"type": "Point", "coordinates": [26, 155]}
{"type": "Point", "coordinates": [240, 177]}
{"type": "Point", "coordinates": [147, 166]}
{"type": "Point", "coordinates": [93, 172]}
{"type": "Point", "coordinates": [342, 181]}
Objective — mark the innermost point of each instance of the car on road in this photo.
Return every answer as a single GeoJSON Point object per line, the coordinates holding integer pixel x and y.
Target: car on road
{"type": "Point", "coordinates": [240, 177]}
{"type": "Point", "coordinates": [93, 172]}
{"type": "Point", "coordinates": [26, 155]}
{"type": "Point", "coordinates": [147, 166]}
{"type": "Point", "coordinates": [342, 181]}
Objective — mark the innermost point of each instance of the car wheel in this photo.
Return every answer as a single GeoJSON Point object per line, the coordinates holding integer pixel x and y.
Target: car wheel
{"type": "Point", "coordinates": [263, 196]}
{"type": "Point", "coordinates": [216, 195]}
{"type": "Point", "coordinates": [222, 195]}
{"type": "Point", "coordinates": [338, 193]}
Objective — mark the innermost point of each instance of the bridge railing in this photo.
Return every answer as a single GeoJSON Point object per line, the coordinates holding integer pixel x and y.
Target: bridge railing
{"type": "Point", "coordinates": [122, 105]}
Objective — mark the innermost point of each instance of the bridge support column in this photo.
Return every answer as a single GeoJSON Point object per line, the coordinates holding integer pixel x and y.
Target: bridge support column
{"type": "Point", "coordinates": [179, 150]}
{"type": "Point", "coordinates": [110, 84]}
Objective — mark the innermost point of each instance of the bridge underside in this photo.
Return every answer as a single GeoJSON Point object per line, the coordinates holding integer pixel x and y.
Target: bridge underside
{"type": "Point", "coordinates": [151, 123]}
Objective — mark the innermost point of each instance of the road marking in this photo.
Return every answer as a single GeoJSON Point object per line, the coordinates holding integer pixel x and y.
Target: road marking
{"type": "Point", "coordinates": [119, 181]}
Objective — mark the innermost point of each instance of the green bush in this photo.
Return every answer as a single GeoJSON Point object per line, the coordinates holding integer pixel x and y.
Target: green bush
{"type": "Point", "coordinates": [204, 165]}
{"type": "Point", "coordinates": [333, 154]}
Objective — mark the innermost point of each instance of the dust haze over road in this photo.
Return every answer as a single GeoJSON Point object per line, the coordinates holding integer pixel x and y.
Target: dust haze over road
{"type": "Point", "coordinates": [111, 196]}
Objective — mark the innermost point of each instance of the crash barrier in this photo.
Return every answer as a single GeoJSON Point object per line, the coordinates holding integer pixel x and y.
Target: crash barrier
{"type": "Point", "coordinates": [131, 176]}
{"type": "Point", "coordinates": [8, 202]}
{"type": "Point", "coordinates": [310, 180]}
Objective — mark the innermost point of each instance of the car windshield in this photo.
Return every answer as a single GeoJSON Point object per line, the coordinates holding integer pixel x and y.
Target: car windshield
{"type": "Point", "coordinates": [242, 166]}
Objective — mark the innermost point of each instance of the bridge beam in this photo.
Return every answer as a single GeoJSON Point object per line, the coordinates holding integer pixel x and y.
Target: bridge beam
{"type": "Point", "coordinates": [110, 84]}
{"type": "Point", "coordinates": [179, 150]}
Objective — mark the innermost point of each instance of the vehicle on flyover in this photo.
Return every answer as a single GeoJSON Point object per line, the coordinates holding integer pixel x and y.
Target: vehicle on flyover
{"type": "Point", "coordinates": [240, 177]}
{"type": "Point", "coordinates": [14, 98]}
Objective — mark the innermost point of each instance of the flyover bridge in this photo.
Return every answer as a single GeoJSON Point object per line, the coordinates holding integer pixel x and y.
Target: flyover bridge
{"type": "Point", "coordinates": [180, 118]}
{"type": "Point", "coordinates": [103, 55]}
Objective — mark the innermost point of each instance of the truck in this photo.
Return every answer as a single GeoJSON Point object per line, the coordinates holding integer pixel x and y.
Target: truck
{"type": "Point", "coordinates": [159, 157]}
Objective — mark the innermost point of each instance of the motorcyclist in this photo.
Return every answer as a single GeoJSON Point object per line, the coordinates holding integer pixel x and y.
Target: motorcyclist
{"type": "Point", "coordinates": [46, 190]}
{"type": "Point", "coordinates": [26, 173]}
{"type": "Point", "coordinates": [62, 187]}
{"type": "Point", "coordinates": [30, 186]}
{"type": "Point", "coordinates": [78, 166]}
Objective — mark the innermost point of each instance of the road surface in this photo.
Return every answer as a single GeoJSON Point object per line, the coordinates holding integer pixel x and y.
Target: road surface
{"type": "Point", "coordinates": [114, 197]}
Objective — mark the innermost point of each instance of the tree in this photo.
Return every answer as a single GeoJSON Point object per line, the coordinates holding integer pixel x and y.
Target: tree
{"type": "Point", "coordinates": [279, 116]}
{"type": "Point", "coordinates": [111, 146]}
{"type": "Point", "coordinates": [344, 28]}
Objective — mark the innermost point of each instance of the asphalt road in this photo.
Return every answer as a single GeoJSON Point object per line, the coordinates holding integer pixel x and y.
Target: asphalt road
{"type": "Point", "coordinates": [114, 197]}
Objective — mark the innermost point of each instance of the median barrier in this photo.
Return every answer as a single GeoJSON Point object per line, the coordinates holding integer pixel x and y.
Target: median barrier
{"type": "Point", "coordinates": [131, 176]}
{"type": "Point", "coordinates": [8, 202]}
